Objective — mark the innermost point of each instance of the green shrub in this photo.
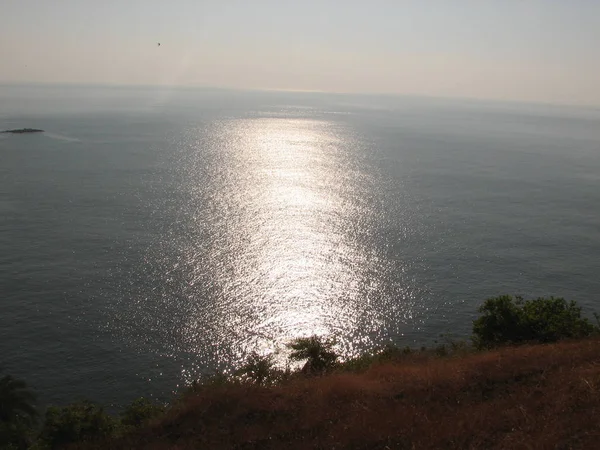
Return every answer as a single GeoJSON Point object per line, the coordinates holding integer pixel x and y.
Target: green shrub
{"type": "Point", "coordinates": [317, 352]}
{"type": "Point", "coordinates": [508, 320]}
{"type": "Point", "coordinates": [77, 422]}
{"type": "Point", "coordinates": [140, 411]}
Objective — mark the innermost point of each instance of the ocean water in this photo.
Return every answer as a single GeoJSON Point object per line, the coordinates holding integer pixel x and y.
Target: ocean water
{"type": "Point", "coordinates": [153, 235]}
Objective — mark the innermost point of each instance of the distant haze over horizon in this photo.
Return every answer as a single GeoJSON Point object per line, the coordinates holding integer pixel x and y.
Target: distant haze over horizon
{"type": "Point", "coordinates": [534, 51]}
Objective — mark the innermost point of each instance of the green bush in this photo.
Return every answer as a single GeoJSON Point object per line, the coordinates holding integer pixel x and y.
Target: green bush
{"type": "Point", "coordinates": [508, 320]}
{"type": "Point", "coordinates": [140, 411]}
{"type": "Point", "coordinates": [84, 421]}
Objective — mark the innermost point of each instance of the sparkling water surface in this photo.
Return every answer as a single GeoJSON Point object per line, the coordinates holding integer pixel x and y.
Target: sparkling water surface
{"type": "Point", "coordinates": [152, 235]}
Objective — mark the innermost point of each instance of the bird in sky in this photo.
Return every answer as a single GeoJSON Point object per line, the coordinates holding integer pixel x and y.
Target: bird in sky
{"type": "Point", "coordinates": [159, 44]}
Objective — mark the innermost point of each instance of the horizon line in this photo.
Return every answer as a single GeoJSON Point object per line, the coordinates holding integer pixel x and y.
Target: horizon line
{"type": "Point", "coordinates": [296, 91]}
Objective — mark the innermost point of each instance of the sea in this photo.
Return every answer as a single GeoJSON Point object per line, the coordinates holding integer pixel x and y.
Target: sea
{"type": "Point", "coordinates": [154, 235]}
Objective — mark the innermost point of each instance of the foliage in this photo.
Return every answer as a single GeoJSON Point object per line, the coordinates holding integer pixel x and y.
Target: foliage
{"type": "Point", "coordinates": [391, 352]}
{"type": "Point", "coordinates": [257, 369]}
{"type": "Point", "coordinates": [357, 364]}
{"type": "Point", "coordinates": [451, 347]}
{"type": "Point", "coordinates": [140, 411]}
{"type": "Point", "coordinates": [317, 352]}
{"type": "Point", "coordinates": [385, 354]}
{"type": "Point", "coordinates": [208, 381]}
{"type": "Point", "coordinates": [508, 320]}
{"type": "Point", "coordinates": [18, 413]}
{"type": "Point", "coordinates": [15, 435]}
{"type": "Point", "coordinates": [77, 422]}
{"type": "Point", "coordinates": [17, 401]}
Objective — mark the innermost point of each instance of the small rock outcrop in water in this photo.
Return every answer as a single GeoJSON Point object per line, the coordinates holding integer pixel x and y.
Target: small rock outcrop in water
{"type": "Point", "coordinates": [24, 130]}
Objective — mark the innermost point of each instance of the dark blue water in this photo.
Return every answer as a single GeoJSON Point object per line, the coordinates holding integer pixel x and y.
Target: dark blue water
{"type": "Point", "coordinates": [151, 235]}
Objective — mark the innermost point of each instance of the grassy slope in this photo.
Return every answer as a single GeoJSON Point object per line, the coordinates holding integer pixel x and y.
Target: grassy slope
{"type": "Point", "coordinates": [544, 396]}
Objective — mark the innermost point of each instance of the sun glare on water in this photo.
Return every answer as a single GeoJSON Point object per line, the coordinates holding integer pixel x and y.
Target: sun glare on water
{"type": "Point", "coordinates": [278, 239]}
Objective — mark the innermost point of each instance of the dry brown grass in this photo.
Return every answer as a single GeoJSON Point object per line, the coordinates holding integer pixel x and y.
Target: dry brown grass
{"type": "Point", "coordinates": [534, 397]}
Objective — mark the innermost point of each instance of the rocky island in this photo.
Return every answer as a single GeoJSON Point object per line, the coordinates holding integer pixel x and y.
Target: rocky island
{"type": "Point", "coordinates": [24, 130]}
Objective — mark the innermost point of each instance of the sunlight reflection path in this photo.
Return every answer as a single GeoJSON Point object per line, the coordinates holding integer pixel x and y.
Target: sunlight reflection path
{"type": "Point", "coordinates": [281, 241]}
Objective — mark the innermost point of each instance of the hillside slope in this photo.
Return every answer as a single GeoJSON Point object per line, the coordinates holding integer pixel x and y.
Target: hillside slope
{"type": "Point", "coordinates": [542, 396]}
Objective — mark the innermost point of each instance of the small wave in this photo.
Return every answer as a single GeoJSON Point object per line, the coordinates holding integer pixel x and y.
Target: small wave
{"type": "Point", "coordinates": [61, 137]}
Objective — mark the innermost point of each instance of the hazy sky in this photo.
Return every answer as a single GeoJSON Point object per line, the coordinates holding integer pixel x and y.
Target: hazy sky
{"type": "Point", "coordinates": [540, 50]}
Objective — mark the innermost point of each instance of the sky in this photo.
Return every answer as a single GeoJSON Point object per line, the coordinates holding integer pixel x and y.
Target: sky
{"type": "Point", "coordinates": [525, 50]}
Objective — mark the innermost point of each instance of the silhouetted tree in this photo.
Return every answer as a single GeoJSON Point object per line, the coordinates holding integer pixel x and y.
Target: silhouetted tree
{"type": "Point", "coordinates": [257, 368]}
{"type": "Point", "coordinates": [17, 401]}
{"type": "Point", "coordinates": [18, 413]}
{"type": "Point", "coordinates": [317, 352]}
